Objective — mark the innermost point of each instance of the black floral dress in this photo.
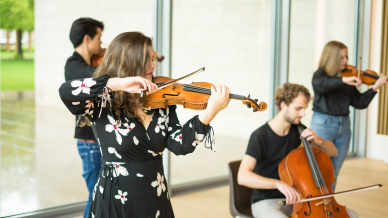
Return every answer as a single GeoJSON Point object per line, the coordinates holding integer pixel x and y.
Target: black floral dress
{"type": "Point", "coordinates": [131, 181]}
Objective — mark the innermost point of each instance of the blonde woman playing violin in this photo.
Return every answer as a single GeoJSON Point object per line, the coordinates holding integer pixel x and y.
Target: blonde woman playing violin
{"type": "Point", "coordinates": [332, 97]}
{"type": "Point", "coordinates": [131, 182]}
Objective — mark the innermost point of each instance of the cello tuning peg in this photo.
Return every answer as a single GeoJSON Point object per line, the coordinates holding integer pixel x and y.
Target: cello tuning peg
{"type": "Point", "coordinates": [249, 105]}
{"type": "Point", "coordinates": [249, 95]}
{"type": "Point", "coordinates": [256, 100]}
{"type": "Point", "coordinates": [255, 110]}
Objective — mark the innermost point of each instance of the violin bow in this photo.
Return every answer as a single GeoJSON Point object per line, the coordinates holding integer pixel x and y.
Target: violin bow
{"type": "Point", "coordinates": [164, 84]}
{"type": "Point", "coordinates": [335, 194]}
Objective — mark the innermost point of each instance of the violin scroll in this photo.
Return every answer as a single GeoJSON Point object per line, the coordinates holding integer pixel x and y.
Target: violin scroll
{"type": "Point", "coordinates": [252, 103]}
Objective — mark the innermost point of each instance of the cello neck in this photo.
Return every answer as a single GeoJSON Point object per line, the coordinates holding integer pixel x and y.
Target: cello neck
{"type": "Point", "coordinates": [318, 178]}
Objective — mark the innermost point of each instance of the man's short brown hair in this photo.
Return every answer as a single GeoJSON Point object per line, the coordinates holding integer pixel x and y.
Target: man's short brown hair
{"type": "Point", "coordinates": [288, 92]}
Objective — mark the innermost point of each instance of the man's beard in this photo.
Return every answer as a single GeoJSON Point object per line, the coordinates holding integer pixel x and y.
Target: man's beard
{"type": "Point", "coordinates": [290, 120]}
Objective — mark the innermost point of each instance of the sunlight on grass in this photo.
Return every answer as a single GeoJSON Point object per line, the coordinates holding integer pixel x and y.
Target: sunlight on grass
{"type": "Point", "coordinates": [17, 75]}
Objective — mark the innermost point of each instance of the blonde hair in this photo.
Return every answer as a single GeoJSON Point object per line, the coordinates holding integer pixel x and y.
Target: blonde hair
{"type": "Point", "coordinates": [331, 58]}
{"type": "Point", "coordinates": [288, 92]}
{"type": "Point", "coordinates": [127, 55]}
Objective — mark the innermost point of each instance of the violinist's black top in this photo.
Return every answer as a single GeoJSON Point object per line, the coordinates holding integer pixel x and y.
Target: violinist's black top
{"type": "Point", "coordinates": [333, 97]}
{"type": "Point", "coordinates": [77, 68]}
{"type": "Point", "coordinates": [131, 182]}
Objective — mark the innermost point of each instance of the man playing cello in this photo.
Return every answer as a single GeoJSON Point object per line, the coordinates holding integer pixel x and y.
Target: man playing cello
{"type": "Point", "coordinates": [269, 144]}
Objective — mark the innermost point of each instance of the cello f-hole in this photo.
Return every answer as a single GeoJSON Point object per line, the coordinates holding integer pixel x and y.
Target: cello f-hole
{"type": "Point", "coordinates": [171, 94]}
{"type": "Point", "coordinates": [335, 208]}
{"type": "Point", "coordinates": [308, 203]}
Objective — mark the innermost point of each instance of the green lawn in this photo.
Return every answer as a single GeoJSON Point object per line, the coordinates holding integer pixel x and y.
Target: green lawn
{"type": "Point", "coordinates": [17, 75]}
{"type": "Point", "coordinates": [11, 54]}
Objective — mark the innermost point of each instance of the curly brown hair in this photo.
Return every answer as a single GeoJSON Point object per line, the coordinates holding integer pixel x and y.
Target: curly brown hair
{"type": "Point", "coordinates": [127, 55]}
{"type": "Point", "coordinates": [288, 92]}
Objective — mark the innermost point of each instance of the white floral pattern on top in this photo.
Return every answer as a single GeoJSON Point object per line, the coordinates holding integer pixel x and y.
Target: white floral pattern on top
{"type": "Point", "coordinates": [121, 196]}
{"type": "Point", "coordinates": [95, 188]}
{"type": "Point", "coordinates": [83, 87]}
{"type": "Point", "coordinates": [116, 128]}
{"type": "Point", "coordinates": [178, 138]}
{"type": "Point", "coordinates": [119, 170]}
{"type": "Point", "coordinates": [198, 138]}
{"type": "Point", "coordinates": [157, 214]}
{"type": "Point", "coordinates": [159, 182]}
{"type": "Point", "coordinates": [112, 150]}
{"type": "Point", "coordinates": [135, 140]}
{"type": "Point", "coordinates": [153, 153]}
{"type": "Point", "coordinates": [89, 105]}
{"type": "Point", "coordinates": [159, 126]}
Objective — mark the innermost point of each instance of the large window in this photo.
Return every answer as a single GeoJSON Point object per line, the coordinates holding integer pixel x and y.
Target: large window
{"type": "Point", "coordinates": [40, 166]}
{"type": "Point", "coordinates": [39, 163]}
{"type": "Point", "coordinates": [232, 40]}
{"type": "Point", "coordinates": [313, 23]}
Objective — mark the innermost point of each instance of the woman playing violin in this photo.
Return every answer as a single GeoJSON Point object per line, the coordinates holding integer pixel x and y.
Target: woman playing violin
{"type": "Point", "coordinates": [333, 95]}
{"type": "Point", "coordinates": [131, 182]}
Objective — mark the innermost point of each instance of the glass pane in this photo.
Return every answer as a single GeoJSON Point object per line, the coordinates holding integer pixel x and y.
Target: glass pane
{"type": "Point", "coordinates": [40, 166]}
{"type": "Point", "coordinates": [314, 23]}
{"type": "Point", "coordinates": [232, 40]}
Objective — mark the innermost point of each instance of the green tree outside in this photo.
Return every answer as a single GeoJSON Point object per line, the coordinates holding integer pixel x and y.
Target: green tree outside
{"type": "Point", "coordinates": [17, 15]}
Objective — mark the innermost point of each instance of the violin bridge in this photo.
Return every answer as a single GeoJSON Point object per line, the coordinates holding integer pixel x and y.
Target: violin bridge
{"type": "Point", "coordinates": [173, 86]}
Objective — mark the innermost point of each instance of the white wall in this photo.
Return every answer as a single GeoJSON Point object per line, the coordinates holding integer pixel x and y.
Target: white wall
{"type": "Point", "coordinates": [232, 39]}
{"type": "Point", "coordinates": [377, 145]}
{"type": "Point", "coordinates": [53, 19]}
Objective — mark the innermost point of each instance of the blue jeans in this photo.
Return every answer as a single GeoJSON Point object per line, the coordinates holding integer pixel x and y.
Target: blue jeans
{"type": "Point", "coordinates": [337, 130]}
{"type": "Point", "coordinates": [91, 163]}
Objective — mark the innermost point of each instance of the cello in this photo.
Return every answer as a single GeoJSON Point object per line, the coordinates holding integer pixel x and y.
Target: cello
{"type": "Point", "coordinates": [310, 171]}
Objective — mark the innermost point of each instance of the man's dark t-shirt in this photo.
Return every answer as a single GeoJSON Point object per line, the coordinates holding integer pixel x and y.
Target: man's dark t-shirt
{"type": "Point", "coordinates": [76, 68]}
{"type": "Point", "coordinates": [269, 149]}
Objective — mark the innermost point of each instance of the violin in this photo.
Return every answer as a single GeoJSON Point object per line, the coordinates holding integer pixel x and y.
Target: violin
{"type": "Point", "coordinates": [97, 59]}
{"type": "Point", "coordinates": [368, 77]}
{"type": "Point", "coordinates": [192, 96]}
{"type": "Point", "coordinates": [310, 171]}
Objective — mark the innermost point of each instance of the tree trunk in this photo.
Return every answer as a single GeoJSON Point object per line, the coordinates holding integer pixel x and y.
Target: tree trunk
{"type": "Point", "coordinates": [19, 50]}
{"type": "Point", "coordinates": [29, 41]}
{"type": "Point", "coordinates": [7, 45]}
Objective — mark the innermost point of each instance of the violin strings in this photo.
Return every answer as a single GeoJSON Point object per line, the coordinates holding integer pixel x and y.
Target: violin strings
{"type": "Point", "coordinates": [208, 91]}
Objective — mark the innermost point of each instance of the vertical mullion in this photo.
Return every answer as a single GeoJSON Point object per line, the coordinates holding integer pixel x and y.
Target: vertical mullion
{"type": "Point", "coordinates": [279, 48]}
{"type": "Point", "coordinates": [360, 120]}
{"type": "Point", "coordinates": [162, 44]}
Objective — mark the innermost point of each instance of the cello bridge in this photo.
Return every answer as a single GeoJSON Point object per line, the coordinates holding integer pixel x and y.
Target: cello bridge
{"type": "Point", "coordinates": [325, 201]}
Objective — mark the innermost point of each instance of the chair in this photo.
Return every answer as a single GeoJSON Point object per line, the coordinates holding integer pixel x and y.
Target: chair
{"type": "Point", "coordinates": [240, 196]}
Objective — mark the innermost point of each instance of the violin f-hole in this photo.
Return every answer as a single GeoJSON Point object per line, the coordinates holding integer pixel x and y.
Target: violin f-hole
{"type": "Point", "coordinates": [308, 203]}
{"type": "Point", "coordinates": [171, 94]}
